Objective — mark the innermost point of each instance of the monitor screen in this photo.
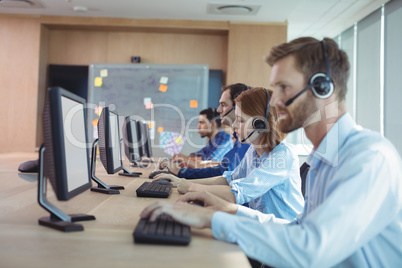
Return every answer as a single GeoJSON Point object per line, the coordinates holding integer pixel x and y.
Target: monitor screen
{"type": "Point", "coordinates": [130, 136]}
{"type": "Point", "coordinates": [109, 141]}
{"type": "Point", "coordinates": [66, 148]}
{"type": "Point", "coordinates": [74, 143]}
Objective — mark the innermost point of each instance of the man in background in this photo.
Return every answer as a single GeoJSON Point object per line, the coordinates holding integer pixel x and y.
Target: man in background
{"type": "Point", "coordinates": [232, 158]}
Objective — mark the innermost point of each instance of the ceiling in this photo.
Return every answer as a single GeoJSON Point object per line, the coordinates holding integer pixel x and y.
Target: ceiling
{"type": "Point", "coordinates": [317, 18]}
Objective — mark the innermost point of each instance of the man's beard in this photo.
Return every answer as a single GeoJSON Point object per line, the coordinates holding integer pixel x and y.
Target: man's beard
{"type": "Point", "coordinates": [297, 117]}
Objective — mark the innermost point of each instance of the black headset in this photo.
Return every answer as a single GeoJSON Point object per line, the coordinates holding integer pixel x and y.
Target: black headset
{"type": "Point", "coordinates": [321, 84]}
{"type": "Point", "coordinates": [258, 123]}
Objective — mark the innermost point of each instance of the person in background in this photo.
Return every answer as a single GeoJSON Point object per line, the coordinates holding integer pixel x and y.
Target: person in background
{"type": "Point", "coordinates": [219, 142]}
{"type": "Point", "coordinates": [232, 158]}
{"type": "Point", "coordinates": [268, 177]}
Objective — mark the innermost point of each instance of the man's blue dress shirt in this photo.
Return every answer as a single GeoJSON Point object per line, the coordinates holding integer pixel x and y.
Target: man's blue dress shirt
{"type": "Point", "coordinates": [216, 148]}
{"type": "Point", "coordinates": [353, 209]}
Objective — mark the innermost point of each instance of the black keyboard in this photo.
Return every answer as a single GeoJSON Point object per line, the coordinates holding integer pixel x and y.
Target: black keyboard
{"type": "Point", "coordinates": [154, 189]}
{"type": "Point", "coordinates": [162, 231]}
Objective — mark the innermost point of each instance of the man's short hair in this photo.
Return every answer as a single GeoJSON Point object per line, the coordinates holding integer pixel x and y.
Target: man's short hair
{"type": "Point", "coordinates": [212, 115]}
{"type": "Point", "coordinates": [310, 60]}
{"type": "Point", "coordinates": [235, 90]}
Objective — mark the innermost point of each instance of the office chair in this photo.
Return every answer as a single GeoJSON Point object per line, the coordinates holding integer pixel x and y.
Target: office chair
{"type": "Point", "coordinates": [303, 174]}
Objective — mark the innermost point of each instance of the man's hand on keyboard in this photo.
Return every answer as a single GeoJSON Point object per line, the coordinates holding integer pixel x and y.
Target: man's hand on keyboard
{"type": "Point", "coordinates": [209, 200]}
{"type": "Point", "coordinates": [194, 216]}
{"type": "Point", "coordinates": [172, 178]}
{"type": "Point", "coordinates": [173, 168]}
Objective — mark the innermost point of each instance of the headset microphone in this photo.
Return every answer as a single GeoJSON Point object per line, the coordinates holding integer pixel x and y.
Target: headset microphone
{"type": "Point", "coordinates": [289, 101]}
{"type": "Point", "coordinates": [228, 112]}
{"type": "Point", "coordinates": [321, 83]}
{"type": "Point", "coordinates": [248, 136]}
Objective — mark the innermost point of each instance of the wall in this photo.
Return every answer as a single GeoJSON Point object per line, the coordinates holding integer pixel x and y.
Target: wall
{"type": "Point", "coordinates": [85, 47]}
{"type": "Point", "coordinates": [19, 70]}
{"type": "Point", "coordinates": [236, 48]}
{"type": "Point", "coordinates": [248, 45]}
{"type": "Point", "coordinates": [373, 46]}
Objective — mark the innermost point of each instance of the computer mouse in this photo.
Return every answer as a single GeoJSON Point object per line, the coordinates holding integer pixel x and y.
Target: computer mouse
{"type": "Point", "coordinates": [163, 181]}
{"type": "Point", "coordinates": [197, 203]}
{"type": "Point", "coordinates": [157, 172]}
{"type": "Point", "coordinates": [31, 166]}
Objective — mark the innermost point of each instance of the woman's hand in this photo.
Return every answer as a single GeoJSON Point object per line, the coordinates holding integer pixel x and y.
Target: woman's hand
{"type": "Point", "coordinates": [194, 216]}
{"type": "Point", "coordinates": [172, 178]}
{"type": "Point", "coordinates": [209, 200]}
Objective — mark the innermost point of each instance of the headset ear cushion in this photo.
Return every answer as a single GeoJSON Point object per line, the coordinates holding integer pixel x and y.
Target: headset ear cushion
{"type": "Point", "coordinates": [259, 124]}
{"type": "Point", "coordinates": [322, 86]}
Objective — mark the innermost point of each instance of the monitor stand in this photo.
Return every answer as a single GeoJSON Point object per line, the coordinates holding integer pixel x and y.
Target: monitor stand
{"type": "Point", "coordinates": [128, 173]}
{"type": "Point", "coordinates": [58, 219]}
{"type": "Point", "coordinates": [102, 187]}
{"type": "Point", "coordinates": [147, 160]}
{"type": "Point", "coordinates": [138, 165]}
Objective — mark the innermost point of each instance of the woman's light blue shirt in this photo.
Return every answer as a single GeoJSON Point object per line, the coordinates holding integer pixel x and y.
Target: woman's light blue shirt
{"type": "Point", "coordinates": [270, 183]}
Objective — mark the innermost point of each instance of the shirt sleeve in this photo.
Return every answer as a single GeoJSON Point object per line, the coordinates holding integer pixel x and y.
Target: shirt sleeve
{"type": "Point", "coordinates": [271, 172]}
{"type": "Point", "coordinates": [363, 198]}
{"type": "Point", "coordinates": [259, 216]}
{"type": "Point", "coordinates": [220, 151]}
{"type": "Point", "coordinates": [199, 173]}
{"type": "Point", "coordinates": [238, 172]}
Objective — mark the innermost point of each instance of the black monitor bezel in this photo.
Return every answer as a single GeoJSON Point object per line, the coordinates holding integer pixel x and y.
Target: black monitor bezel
{"type": "Point", "coordinates": [141, 146]}
{"type": "Point", "coordinates": [109, 166]}
{"type": "Point", "coordinates": [147, 140]}
{"type": "Point", "coordinates": [59, 183]}
{"type": "Point", "coordinates": [128, 139]}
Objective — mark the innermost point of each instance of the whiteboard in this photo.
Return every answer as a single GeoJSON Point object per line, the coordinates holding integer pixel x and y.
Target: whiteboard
{"type": "Point", "coordinates": [168, 97]}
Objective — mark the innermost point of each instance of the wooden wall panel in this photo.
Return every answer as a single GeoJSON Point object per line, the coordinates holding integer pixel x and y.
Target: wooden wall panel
{"type": "Point", "coordinates": [19, 71]}
{"type": "Point", "coordinates": [248, 45]}
{"type": "Point", "coordinates": [85, 47]}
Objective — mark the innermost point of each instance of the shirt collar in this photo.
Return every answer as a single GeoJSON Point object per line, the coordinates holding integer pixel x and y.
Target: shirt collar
{"type": "Point", "coordinates": [328, 150]}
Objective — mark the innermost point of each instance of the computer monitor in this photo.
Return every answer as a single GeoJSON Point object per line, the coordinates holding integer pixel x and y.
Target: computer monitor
{"type": "Point", "coordinates": [146, 143]}
{"type": "Point", "coordinates": [109, 149]}
{"type": "Point", "coordinates": [131, 140]}
{"type": "Point", "coordinates": [64, 156]}
{"type": "Point", "coordinates": [109, 141]}
{"type": "Point", "coordinates": [141, 142]}
{"type": "Point", "coordinates": [147, 140]}
{"type": "Point", "coordinates": [109, 144]}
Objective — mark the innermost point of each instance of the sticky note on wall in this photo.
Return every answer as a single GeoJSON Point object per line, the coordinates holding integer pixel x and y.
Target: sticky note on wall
{"type": "Point", "coordinates": [103, 73]}
{"type": "Point", "coordinates": [178, 140]}
{"type": "Point", "coordinates": [147, 100]}
{"type": "Point", "coordinates": [164, 80]}
{"type": "Point", "coordinates": [193, 104]}
{"type": "Point", "coordinates": [163, 88]}
{"type": "Point", "coordinates": [149, 105]}
{"type": "Point", "coordinates": [98, 81]}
